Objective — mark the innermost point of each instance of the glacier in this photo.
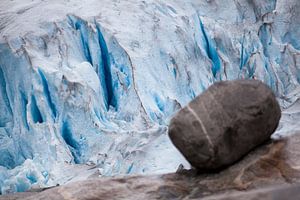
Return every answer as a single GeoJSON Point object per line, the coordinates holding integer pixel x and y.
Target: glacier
{"type": "Point", "coordinates": [88, 89]}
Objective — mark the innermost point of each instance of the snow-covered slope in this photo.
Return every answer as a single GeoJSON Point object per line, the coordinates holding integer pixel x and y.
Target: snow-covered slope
{"type": "Point", "coordinates": [88, 87]}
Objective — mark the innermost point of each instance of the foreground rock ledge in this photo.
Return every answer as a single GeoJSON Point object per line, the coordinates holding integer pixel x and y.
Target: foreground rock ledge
{"type": "Point", "coordinates": [263, 174]}
{"type": "Point", "coordinates": [224, 123]}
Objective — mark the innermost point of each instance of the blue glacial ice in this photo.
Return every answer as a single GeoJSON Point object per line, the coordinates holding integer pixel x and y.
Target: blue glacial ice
{"type": "Point", "coordinates": [88, 89]}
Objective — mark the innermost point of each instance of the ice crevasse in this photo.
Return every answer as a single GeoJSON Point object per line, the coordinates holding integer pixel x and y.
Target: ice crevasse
{"type": "Point", "coordinates": [88, 89]}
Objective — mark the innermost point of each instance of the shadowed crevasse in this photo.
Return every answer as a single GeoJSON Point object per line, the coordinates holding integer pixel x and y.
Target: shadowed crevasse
{"type": "Point", "coordinates": [103, 68]}
{"type": "Point", "coordinates": [211, 51]}
{"type": "Point", "coordinates": [47, 93]}
{"type": "Point", "coordinates": [74, 146]}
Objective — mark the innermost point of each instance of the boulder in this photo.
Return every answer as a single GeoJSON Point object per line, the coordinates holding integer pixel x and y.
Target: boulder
{"type": "Point", "coordinates": [224, 123]}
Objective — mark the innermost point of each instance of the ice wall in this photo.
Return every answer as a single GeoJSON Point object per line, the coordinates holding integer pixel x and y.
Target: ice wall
{"type": "Point", "coordinates": [87, 89]}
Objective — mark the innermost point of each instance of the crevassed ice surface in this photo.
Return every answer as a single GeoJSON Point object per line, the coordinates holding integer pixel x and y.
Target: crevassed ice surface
{"type": "Point", "coordinates": [88, 88]}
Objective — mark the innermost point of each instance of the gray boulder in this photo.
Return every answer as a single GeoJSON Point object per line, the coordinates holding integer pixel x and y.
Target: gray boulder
{"type": "Point", "coordinates": [224, 123]}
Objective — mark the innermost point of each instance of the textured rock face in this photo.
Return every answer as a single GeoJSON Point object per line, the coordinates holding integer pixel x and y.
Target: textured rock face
{"type": "Point", "coordinates": [256, 176]}
{"type": "Point", "coordinates": [225, 122]}
{"type": "Point", "coordinates": [271, 193]}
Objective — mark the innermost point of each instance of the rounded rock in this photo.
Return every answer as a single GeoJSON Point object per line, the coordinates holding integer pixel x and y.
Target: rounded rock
{"type": "Point", "coordinates": [224, 123]}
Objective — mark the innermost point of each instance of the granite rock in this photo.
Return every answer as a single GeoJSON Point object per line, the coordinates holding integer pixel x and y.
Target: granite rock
{"type": "Point", "coordinates": [224, 123]}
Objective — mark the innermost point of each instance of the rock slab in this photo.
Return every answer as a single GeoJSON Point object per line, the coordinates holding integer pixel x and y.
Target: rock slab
{"type": "Point", "coordinates": [224, 123]}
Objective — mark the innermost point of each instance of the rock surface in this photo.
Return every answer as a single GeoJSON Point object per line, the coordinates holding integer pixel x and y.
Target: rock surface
{"type": "Point", "coordinates": [269, 193]}
{"type": "Point", "coordinates": [270, 169]}
{"type": "Point", "coordinates": [224, 123]}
